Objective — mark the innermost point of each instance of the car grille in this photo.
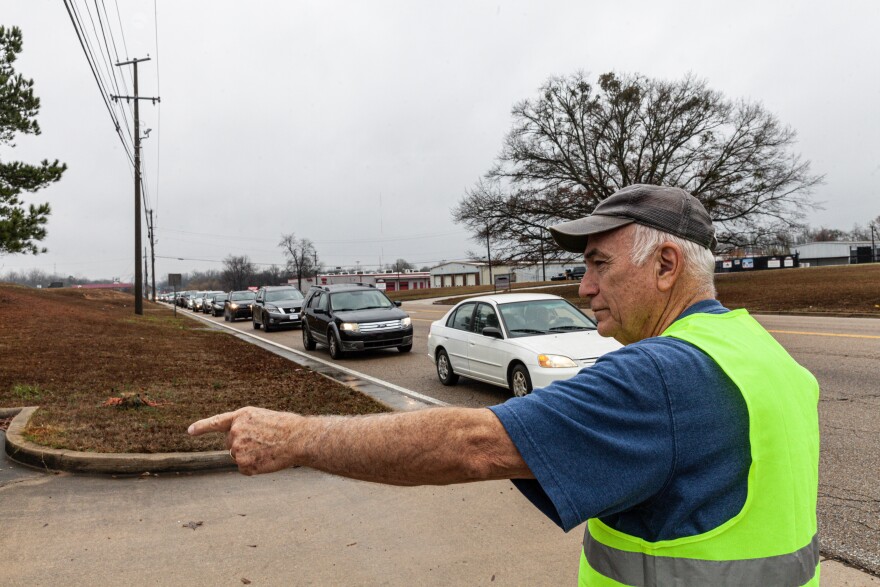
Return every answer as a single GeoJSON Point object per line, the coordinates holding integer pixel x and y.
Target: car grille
{"type": "Point", "coordinates": [369, 327]}
{"type": "Point", "coordinates": [289, 310]}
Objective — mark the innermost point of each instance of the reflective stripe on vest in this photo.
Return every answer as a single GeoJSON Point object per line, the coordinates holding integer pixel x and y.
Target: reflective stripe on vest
{"type": "Point", "coordinates": [642, 570]}
{"type": "Point", "coordinates": [773, 539]}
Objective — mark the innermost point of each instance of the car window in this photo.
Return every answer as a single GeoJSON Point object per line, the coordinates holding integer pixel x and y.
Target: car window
{"type": "Point", "coordinates": [220, 297]}
{"type": "Point", "coordinates": [484, 317]}
{"type": "Point", "coordinates": [535, 317]}
{"type": "Point", "coordinates": [461, 320]}
{"type": "Point", "coordinates": [283, 294]}
{"type": "Point", "coordinates": [323, 301]}
{"type": "Point", "coordinates": [366, 299]}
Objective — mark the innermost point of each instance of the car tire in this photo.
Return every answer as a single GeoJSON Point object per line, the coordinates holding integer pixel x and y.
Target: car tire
{"type": "Point", "coordinates": [254, 322]}
{"type": "Point", "coordinates": [335, 344]}
{"type": "Point", "coordinates": [520, 381]}
{"type": "Point", "coordinates": [444, 369]}
{"type": "Point", "coordinates": [308, 341]}
{"type": "Point", "coordinates": [405, 348]}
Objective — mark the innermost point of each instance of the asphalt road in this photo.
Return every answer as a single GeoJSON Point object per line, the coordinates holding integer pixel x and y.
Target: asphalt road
{"type": "Point", "coordinates": [843, 354]}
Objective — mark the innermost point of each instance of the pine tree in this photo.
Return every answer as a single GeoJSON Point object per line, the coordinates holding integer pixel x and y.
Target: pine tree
{"type": "Point", "coordinates": [21, 228]}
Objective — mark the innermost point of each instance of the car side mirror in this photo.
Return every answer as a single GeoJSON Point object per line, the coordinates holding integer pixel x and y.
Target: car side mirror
{"type": "Point", "coordinates": [397, 303]}
{"type": "Point", "coordinates": [492, 331]}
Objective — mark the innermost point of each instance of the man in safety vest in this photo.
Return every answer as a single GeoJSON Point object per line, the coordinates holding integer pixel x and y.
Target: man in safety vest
{"type": "Point", "coordinates": [692, 452]}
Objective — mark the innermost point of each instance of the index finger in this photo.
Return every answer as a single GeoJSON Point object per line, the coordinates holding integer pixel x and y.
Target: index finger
{"type": "Point", "coordinates": [218, 423]}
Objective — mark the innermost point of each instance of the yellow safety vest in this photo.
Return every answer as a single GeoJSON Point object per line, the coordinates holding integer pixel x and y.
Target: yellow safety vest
{"type": "Point", "coordinates": [773, 540]}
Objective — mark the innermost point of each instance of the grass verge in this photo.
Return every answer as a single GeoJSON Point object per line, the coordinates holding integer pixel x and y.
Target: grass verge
{"type": "Point", "coordinates": [70, 351]}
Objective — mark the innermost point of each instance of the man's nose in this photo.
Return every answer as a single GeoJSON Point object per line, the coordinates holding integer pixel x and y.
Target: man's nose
{"type": "Point", "coordinates": [587, 287]}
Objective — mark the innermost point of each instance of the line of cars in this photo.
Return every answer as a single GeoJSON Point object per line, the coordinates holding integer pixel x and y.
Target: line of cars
{"type": "Point", "coordinates": [517, 340]}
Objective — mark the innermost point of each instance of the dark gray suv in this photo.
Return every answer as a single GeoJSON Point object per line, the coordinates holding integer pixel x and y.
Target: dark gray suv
{"type": "Point", "coordinates": [277, 306]}
{"type": "Point", "coordinates": [354, 318]}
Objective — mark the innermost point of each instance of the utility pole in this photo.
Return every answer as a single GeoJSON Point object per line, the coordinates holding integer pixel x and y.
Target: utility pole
{"type": "Point", "coordinates": [146, 273]}
{"type": "Point", "coordinates": [543, 266]}
{"type": "Point", "coordinates": [489, 257]}
{"type": "Point", "coordinates": [153, 254]}
{"type": "Point", "coordinates": [873, 250]}
{"type": "Point", "coordinates": [138, 277]}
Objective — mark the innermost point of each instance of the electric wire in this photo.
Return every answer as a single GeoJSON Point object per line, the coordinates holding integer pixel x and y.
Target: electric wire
{"type": "Point", "coordinates": [158, 106]}
{"type": "Point", "coordinates": [115, 53]}
{"type": "Point", "coordinates": [105, 58]}
{"type": "Point", "coordinates": [104, 96]}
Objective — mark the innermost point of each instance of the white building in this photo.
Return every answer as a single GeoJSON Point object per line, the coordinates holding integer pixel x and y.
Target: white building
{"type": "Point", "coordinates": [463, 273]}
{"type": "Point", "coordinates": [386, 280]}
{"type": "Point", "coordinates": [820, 254]}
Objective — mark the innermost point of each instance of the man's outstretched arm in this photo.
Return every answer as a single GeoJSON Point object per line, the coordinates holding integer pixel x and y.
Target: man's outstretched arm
{"type": "Point", "coordinates": [436, 446]}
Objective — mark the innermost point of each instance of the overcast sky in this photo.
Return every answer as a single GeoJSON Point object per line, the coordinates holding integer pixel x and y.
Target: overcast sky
{"type": "Point", "coordinates": [359, 125]}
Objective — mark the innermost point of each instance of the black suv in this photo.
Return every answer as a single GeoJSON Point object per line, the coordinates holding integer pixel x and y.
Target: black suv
{"type": "Point", "coordinates": [354, 318]}
{"type": "Point", "coordinates": [277, 306]}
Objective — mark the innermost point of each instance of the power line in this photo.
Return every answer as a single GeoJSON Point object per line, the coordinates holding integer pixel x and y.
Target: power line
{"type": "Point", "coordinates": [159, 108]}
{"type": "Point", "coordinates": [115, 51]}
{"type": "Point", "coordinates": [80, 34]}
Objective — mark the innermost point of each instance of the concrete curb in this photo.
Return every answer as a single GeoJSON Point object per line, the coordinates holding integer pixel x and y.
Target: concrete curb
{"type": "Point", "coordinates": [21, 450]}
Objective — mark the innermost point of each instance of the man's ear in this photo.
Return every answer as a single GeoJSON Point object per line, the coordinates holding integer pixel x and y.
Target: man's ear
{"type": "Point", "coordinates": [670, 265]}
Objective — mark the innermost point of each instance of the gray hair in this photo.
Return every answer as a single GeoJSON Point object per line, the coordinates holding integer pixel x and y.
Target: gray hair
{"type": "Point", "coordinates": [699, 262]}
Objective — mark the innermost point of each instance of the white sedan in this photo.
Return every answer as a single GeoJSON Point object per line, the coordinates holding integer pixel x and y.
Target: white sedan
{"type": "Point", "coordinates": [518, 341]}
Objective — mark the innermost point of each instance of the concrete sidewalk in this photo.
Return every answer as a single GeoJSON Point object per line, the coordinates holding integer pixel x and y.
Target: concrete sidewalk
{"type": "Point", "coordinates": [297, 527]}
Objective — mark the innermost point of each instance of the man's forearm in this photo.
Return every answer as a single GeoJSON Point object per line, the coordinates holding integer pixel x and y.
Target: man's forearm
{"type": "Point", "coordinates": [437, 447]}
{"type": "Point", "coordinates": [428, 447]}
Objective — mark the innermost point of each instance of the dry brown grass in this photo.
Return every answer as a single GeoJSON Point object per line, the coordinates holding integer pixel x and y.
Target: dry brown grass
{"type": "Point", "coordinates": [69, 350]}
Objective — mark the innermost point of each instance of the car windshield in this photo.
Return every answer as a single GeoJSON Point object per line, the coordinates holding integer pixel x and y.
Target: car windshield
{"type": "Point", "coordinates": [220, 297]}
{"type": "Point", "coordinates": [242, 295]}
{"type": "Point", "coordinates": [280, 295]}
{"type": "Point", "coordinates": [359, 300]}
{"type": "Point", "coordinates": [543, 317]}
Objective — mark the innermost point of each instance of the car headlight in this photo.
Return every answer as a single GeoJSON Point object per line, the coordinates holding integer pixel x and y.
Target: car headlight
{"type": "Point", "coordinates": [233, 306]}
{"type": "Point", "coordinates": [406, 322]}
{"type": "Point", "coordinates": [350, 326]}
{"type": "Point", "coordinates": [555, 362]}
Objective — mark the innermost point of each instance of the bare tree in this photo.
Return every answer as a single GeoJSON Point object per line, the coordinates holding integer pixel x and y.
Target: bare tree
{"type": "Point", "coordinates": [302, 258]}
{"type": "Point", "coordinates": [399, 266]}
{"type": "Point", "coordinates": [272, 275]}
{"type": "Point", "coordinates": [577, 143]}
{"type": "Point", "coordinates": [237, 272]}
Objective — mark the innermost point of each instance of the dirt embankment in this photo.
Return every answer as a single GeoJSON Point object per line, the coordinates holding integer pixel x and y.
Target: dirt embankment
{"type": "Point", "coordinates": [70, 351]}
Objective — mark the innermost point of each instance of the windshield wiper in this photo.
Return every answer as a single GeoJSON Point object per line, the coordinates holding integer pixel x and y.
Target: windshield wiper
{"type": "Point", "coordinates": [529, 330]}
{"type": "Point", "coordinates": [571, 327]}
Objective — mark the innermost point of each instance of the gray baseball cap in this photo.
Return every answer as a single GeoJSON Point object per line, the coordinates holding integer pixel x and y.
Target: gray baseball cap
{"type": "Point", "coordinates": [669, 209]}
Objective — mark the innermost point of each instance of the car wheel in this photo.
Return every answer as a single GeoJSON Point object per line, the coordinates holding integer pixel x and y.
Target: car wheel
{"type": "Point", "coordinates": [308, 341]}
{"type": "Point", "coordinates": [336, 351]}
{"type": "Point", "coordinates": [444, 369]}
{"type": "Point", "coordinates": [405, 348]}
{"type": "Point", "coordinates": [254, 322]}
{"type": "Point", "coordinates": [520, 381]}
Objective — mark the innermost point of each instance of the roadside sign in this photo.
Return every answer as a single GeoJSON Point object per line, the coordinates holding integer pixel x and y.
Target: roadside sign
{"type": "Point", "coordinates": [502, 281]}
{"type": "Point", "coordinates": [174, 281]}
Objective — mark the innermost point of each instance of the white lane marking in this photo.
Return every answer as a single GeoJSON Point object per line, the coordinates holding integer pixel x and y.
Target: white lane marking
{"type": "Point", "coordinates": [370, 378]}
